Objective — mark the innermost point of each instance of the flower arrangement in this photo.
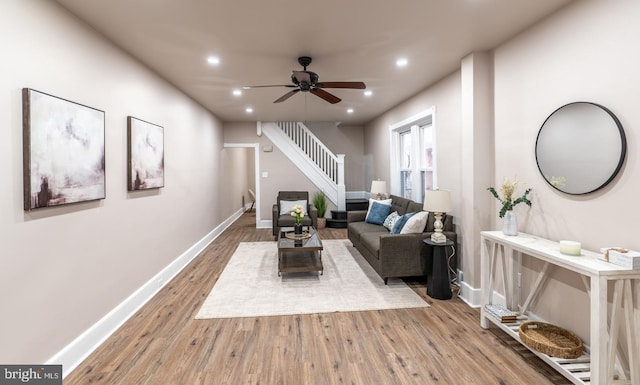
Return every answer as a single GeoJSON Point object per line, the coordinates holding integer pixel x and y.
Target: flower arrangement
{"type": "Point", "coordinates": [507, 190]}
{"type": "Point", "coordinates": [297, 211]}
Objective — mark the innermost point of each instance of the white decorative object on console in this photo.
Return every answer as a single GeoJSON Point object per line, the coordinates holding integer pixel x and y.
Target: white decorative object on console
{"type": "Point", "coordinates": [570, 247]}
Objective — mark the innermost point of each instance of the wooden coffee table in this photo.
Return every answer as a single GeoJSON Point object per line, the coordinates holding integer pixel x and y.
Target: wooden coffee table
{"type": "Point", "coordinates": [299, 255]}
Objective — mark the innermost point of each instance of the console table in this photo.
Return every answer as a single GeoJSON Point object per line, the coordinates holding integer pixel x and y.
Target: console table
{"type": "Point", "coordinates": [597, 366]}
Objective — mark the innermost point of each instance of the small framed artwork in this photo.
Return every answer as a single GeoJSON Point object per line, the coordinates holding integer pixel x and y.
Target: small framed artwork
{"type": "Point", "coordinates": [63, 151]}
{"type": "Point", "coordinates": [145, 155]}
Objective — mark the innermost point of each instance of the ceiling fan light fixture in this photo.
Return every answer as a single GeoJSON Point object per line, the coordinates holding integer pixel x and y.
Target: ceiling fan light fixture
{"type": "Point", "coordinates": [368, 93]}
{"type": "Point", "coordinates": [349, 110]}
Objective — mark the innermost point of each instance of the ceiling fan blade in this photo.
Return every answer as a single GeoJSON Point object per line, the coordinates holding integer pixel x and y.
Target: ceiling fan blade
{"type": "Point", "coordinates": [287, 96]}
{"type": "Point", "coordinates": [325, 95]}
{"type": "Point", "coordinates": [272, 85]}
{"type": "Point", "coordinates": [302, 76]}
{"type": "Point", "coordinates": [354, 85]}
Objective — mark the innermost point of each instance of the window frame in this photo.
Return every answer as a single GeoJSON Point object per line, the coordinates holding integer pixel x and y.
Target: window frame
{"type": "Point", "coordinates": [412, 125]}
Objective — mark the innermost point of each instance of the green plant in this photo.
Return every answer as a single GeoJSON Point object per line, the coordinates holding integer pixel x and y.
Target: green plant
{"type": "Point", "coordinates": [507, 189]}
{"type": "Point", "coordinates": [320, 202]}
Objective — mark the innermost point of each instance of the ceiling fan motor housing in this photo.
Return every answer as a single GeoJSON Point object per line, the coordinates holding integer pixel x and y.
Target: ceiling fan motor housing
{"type": "Point", "coordinates": [305, 86]}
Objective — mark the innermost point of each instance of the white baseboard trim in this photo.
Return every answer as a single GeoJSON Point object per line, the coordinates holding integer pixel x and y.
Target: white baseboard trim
{"type": "Point", "coordinates": [472, 296]}
{"type": "Point", "coordinates": [265, 224]}
{"type": "Point", "coordinates": [79, 349]}
{"type": "Point", "coordinates": [469, 294]}
{"type": "Point", "coordinates": [357, 195]}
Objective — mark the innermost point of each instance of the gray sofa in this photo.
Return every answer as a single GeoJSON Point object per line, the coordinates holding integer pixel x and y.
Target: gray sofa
{"type": "Point", "coordinates": [396, 255]}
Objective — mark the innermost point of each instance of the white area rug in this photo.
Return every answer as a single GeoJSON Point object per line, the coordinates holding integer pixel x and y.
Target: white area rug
{"type": "Point", "coordinates": [249, 286]}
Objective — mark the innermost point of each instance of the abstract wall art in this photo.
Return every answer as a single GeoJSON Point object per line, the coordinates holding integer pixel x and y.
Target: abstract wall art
{"type": "Point", "coordinates": [145, 155]}
{"type": "Point", "coordinates": [63, 151]}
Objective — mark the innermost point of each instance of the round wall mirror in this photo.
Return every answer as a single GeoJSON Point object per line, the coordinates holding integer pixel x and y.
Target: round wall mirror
{"type": "Point", "coordinates": [580, 148]}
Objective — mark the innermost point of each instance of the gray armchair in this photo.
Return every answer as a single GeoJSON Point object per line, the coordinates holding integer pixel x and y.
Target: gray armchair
{"type": "Point", "coordinates": [284, 219]}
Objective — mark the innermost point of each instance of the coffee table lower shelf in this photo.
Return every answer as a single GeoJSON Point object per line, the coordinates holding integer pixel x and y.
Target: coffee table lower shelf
{"type": "Point", "coordinates": [300, 261]}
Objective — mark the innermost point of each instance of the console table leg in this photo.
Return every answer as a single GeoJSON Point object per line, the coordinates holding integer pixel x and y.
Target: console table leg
{"type": "Point", "coordinates": [599, 333]}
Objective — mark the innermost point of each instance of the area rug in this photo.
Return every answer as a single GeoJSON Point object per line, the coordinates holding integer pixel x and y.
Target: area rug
{"type": "Point", "coordinates": [250, 286]}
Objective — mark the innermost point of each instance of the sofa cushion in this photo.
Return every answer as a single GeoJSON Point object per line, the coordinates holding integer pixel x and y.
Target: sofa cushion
{"type": "Point", "coordinates": [391, 220]}
{"type": "Point", "coordinates": [371, 241]}
{"type": "Point", "coordinates": [401, 222]}
{"type": "Point", "coordinates": [399, 204]}
{"type": "Point", "coordinates": [378, 212]}
{"type": "Point", "coordinates": [356, 229]}
{"type": "Point", "coordinates": [286, 206]}
{"type": "Point", "coordinates": [414, 207]}
{"type": "Point", "coordinates": [416, 223]}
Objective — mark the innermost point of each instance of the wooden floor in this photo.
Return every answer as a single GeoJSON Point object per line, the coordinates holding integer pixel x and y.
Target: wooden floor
{"type": "Point", "coordinates": [164, 344]}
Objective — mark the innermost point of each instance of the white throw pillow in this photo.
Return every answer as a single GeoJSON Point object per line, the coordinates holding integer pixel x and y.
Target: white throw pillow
{"type": "Point", "coordinates": [416, 223]}
{"type": "Point", "coordinates": [286, 206]}
{"type": "Point", "coordinates": [383, 201]}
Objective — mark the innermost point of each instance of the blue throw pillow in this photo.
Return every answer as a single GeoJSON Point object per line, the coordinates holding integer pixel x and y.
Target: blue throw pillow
{"type": "Point", "coordinates": [378, 213]}
{"type": "Point", "coordinates": [400, 223]}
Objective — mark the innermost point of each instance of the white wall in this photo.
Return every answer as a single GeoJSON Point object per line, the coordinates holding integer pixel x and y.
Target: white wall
{"type": "Point", "coordinates": [62, 269]}
{"type": "Point", "coordinates": [586, 52]}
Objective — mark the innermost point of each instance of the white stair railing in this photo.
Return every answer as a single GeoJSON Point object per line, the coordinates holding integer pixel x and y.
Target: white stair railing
{"type": "Point", "coordinates": [311, 156]}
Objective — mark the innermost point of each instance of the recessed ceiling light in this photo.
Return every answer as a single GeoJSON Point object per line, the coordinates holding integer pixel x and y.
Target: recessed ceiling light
{"type": "Point", "coordinates": [349, 110]}
{"type": "Point", "coordinates": [213, 60]}
{"type": "Point", "coordinates": [248, 110]}
{"type": "Point", "coordinates": [237, 92]}
{"type": "Point", "coordinates": [402, 62]}
{"type": "Point", "coordinates": [368, 93]}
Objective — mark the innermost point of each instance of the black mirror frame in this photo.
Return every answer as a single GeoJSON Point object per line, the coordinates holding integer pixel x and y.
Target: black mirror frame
{"type": "Point", "coordinates": [623, 150]}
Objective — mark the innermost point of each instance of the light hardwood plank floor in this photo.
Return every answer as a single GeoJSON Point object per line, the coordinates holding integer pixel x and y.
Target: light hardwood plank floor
{"type": "Point", "coordinates": [163, 343]}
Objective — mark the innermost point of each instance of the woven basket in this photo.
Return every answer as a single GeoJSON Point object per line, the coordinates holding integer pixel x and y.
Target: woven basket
{"type": "Point", "coordinates": [550, 339]}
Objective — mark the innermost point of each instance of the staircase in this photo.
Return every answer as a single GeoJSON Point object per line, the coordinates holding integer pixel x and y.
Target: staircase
{"type": "Point", "coordinates": [338, 218]}
{"type": "Point", "coordinates": [311, 156]}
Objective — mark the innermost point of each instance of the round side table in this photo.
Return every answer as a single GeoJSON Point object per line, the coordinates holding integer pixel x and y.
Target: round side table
{"type": "Point", "coordinates": [438, 279]}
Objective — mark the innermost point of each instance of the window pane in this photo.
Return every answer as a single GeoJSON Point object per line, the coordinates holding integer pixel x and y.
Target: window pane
{"type": "Point", "coordinates": [405, 184]}
{"type": "Point", "coordinates": [427, 180]}
{"type": "Point", "coordinates": [426, 138]}
{"type": "Point", "coordinates": [405, 150]}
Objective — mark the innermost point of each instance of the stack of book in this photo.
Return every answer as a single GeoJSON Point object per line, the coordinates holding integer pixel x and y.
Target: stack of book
{"type": "Point", "coordinates": [501, 313]}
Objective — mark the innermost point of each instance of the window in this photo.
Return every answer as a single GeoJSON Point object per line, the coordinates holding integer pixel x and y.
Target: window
{"type": "Point", "coordinates": [413, 154]}
{"type": "Point", "coordinates": [406, 187]}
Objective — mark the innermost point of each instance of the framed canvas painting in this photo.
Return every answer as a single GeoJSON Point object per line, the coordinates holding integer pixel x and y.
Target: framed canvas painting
{"type": "Point", "coordinates": [63, 151]}
{"type": "Point", "coordinates": [145, 155]}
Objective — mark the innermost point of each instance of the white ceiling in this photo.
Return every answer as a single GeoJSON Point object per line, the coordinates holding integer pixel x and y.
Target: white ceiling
{"type": "Point", "coordinates": [259, 41]}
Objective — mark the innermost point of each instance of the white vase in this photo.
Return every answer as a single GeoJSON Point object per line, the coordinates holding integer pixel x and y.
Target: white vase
{"type": "Point", "coordinates": [510, 223]}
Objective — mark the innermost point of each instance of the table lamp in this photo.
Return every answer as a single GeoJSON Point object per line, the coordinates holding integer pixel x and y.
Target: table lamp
{"type": "Point", "coordinates": [379, 189]}
{"type": "Point", "coordinates": [438, 202]}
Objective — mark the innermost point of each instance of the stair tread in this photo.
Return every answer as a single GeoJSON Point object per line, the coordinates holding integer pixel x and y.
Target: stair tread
{"type": "Point", "coordinates": [336, 223]}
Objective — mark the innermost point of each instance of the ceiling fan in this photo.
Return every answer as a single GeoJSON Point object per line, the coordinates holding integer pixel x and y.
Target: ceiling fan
{"type": "Point", "coordinates": [307, 81]}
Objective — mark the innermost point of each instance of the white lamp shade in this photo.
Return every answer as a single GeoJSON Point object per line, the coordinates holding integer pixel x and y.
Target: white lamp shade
{"type": "Point", "coordinates": [437, 201]}
{"type": "Point", "coordinates": [378, 187]}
